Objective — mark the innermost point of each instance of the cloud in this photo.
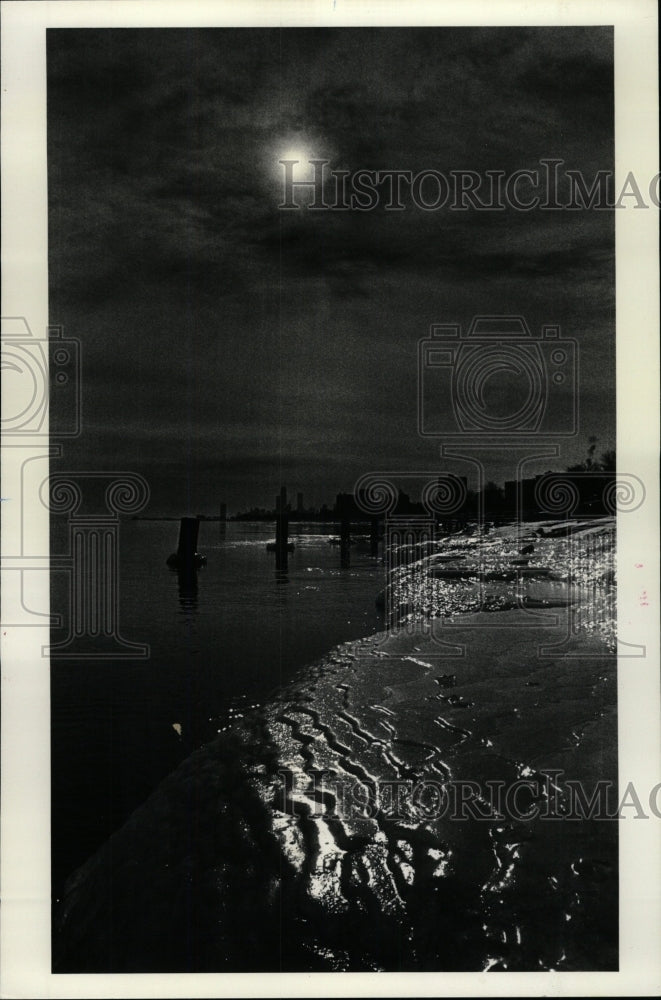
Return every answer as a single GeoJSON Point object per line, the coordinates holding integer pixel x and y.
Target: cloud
{"type": "Point", "coordinates": [220, 333]}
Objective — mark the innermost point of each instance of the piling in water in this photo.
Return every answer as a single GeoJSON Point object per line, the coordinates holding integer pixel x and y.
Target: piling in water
{"type": "Point", "coordinates": [282, 545]}
{"type": "Point", "coordinates": [189, 529]}
{"type": "Point", "coordinates": [281, 538]}
{"type": "Point", "coordinates": [187, 559]}
{"type": "Point", "coordinates": [345, 530]}
{"type": "Point", "coordinates": [374, 536]}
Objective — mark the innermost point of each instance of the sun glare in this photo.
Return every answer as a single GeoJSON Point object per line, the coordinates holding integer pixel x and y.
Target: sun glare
{"type": "Point", "coordinates": [296, 153]}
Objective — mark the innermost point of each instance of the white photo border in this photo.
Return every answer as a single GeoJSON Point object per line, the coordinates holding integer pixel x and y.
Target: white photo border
{"type": "Point", "coordinates": [25, 859]}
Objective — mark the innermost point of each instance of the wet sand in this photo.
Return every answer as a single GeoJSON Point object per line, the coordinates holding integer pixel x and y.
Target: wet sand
{"type": "Point", "coordinates": [245, 859]}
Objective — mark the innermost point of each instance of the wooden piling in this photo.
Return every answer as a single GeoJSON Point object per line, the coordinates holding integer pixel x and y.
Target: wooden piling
{"type": "Point", "coordinates": [374, 536]}
{"type": "Point", "coordinates": [281, 538]}
{"type": "Point", "coordinates": [187, 559]}
{"type": "Point", "coordinates": [345, 532]}
{"type": "Point", "coordinates": [189, 529]}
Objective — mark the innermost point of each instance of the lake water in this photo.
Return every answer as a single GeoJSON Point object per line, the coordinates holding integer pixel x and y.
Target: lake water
{"type": "Point", "coordinates": [232, 865]}
{"type": "Point", "coordinates": [215, 650]}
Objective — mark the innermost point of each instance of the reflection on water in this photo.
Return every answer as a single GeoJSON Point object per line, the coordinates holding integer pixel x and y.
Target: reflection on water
{"type": "Point", "coordinates": [187, 587]}
{"type": "Point", "coordinates": [346, 881]}
{"type": "Point", "coordinates": [228, 636]}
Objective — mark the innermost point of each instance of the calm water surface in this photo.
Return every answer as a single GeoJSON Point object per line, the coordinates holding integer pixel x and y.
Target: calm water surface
{"type": "Point", "coordinates": [215, 649]}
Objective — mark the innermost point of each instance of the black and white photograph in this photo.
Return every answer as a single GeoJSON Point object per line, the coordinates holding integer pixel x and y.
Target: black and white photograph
{"type": "Point", "coordinates": [350, 556]}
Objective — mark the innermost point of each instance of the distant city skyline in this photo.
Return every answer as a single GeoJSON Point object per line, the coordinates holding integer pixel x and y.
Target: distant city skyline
{"type": "Point", "coordinates": [230, 346]}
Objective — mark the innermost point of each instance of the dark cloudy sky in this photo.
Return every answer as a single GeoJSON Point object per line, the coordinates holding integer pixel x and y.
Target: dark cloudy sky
{"type": "Point", "coordinates": [229, 346]}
